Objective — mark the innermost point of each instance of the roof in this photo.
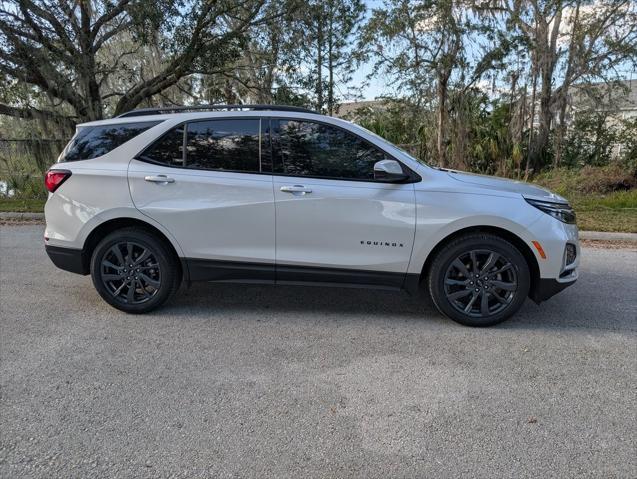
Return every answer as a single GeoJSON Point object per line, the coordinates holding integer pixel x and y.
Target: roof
{"type": "Point", "coordinates": [618, 96]}
{"type": "Point", "coordinates": [211, 107]}
{"type": "Point", "coordinates": [202, 115]}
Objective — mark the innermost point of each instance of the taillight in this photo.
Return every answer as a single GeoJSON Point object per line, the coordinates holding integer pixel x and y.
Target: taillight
{"type": "Point", "coordinates": [54, 179]}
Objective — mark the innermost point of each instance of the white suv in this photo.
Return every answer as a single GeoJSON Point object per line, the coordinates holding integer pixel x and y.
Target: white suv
{"type": "Point", "coordinates": [283, 195]}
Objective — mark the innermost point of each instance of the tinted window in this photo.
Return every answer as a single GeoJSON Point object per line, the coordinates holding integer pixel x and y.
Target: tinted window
{"type": "Point", "coordinates": [93, 141]}
{"type": "Point", "coordinates": [168, 150]}
{"type": "Point", "coordinates": [231, 145]}
{"type": "Point", "coordinates": [314, 149]}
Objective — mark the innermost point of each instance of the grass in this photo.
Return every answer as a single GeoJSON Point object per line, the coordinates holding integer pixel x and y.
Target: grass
{"type": "Point", "coordinates": [22, 205]}
{"type": "Point", "coordinates": [604, 198]}
{"type": "Point", "coordinates": [615, 211]}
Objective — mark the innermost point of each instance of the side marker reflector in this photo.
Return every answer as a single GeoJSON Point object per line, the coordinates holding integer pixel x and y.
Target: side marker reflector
{"type": "Point", "coordinates": [539, 249]}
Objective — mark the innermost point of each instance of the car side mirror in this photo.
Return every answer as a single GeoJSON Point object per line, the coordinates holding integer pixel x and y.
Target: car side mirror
{"type": "Point", "coordinates": [389, 171]}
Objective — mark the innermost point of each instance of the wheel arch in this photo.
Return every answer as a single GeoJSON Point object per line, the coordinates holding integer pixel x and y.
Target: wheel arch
{"type": "Point", "coordinates": [512, 238]}
{"type": "Point", "coordinates": [114, 224]}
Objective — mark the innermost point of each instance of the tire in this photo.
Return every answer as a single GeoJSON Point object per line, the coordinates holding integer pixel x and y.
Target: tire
{"type": "Point", "coordinates": [154, 278]}
{"type": "Point", "coordinates": [475, 266]}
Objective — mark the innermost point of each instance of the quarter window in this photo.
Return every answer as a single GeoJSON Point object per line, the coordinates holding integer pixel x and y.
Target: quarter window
{"type": "Point", "coordinates": [318, 150]}
{"type": "Point", "coordinates": [92, 141]}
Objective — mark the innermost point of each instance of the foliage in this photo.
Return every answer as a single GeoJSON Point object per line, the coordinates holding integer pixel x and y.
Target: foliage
{"type": "Point", "coordinates": [483, 85]}
{"type": "Point", "coordinates": [58, 61]}
{"type": "Point", "coordinates": [593, 139]}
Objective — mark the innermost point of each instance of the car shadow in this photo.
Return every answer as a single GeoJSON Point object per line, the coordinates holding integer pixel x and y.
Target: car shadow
{"type": "Point", "coordinates": [575, 308]}
{"type": "Point", "coordinates": [296, 299]}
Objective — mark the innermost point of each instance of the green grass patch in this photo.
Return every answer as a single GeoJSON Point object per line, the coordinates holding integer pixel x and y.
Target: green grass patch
{"type": "Point", "coordinates": [620, 220]}
{"type": "Point", "coordinates": [22, 205]}
{"type": "Point", "coordinates": [613, 201]}
{"type": "Point", "coordinates": [615, 211]}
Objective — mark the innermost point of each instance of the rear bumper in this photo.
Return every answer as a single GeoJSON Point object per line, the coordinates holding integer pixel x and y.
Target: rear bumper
{"type": "Point", "coordinates": [68, 259]}
{"type": "Point", "coordinates": [545, 288]}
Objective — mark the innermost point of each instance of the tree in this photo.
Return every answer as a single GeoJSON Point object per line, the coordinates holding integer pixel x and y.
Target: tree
{"type": "Point", "coordinates": [327, 48]}
{"type": "Point", "coordinates": [268, 69]}
{"type": "Point", "coordinates": [422, 45]}
{"type": "Point", "coordinates": [59, 48]}
{"type": "Point", "coordinates": [601, 37]}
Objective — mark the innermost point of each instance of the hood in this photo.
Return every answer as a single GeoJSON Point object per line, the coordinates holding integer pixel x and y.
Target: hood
{"type": "Point", "coordinates": [503, 184]}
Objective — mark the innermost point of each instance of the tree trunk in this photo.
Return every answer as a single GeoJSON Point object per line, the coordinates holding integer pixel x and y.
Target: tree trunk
{"type": "Point", "coordinates": [560, 131]}
{"type": "Point", "coordinates": [547, 57]}
{"type": "Point", "coordinates": [532, 115]}
{"type": "Point", "coordinates": [330, 63]}
{"type": "Point", "coordinates": [442, 120]}
{"type": "Point", "coordinates": [319, 65]}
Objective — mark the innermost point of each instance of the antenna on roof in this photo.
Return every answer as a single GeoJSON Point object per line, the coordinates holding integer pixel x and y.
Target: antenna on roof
{"type": "Point", "coordinates": [183, 109]}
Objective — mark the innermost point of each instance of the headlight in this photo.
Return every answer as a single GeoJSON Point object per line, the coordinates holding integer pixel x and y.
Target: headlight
{"type": "Point", "coordinates": [560, 211]}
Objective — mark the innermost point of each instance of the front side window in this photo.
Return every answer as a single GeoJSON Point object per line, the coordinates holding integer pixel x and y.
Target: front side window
{"type": "Point", "coordinates": [314, 149]}
{"type": "Point", "coordinates": [92, 141]}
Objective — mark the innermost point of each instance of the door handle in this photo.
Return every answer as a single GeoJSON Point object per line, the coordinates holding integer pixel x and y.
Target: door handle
{"type": "Point", "coordinates": [296, 189]}
{"type": "Point", "coordinates": [159, 179]}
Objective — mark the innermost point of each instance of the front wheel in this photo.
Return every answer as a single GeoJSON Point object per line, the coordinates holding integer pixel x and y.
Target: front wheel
{"type": "Point", "coordinates": [479, 280]}
{"type": "Point", "coordinates": [134, 271]}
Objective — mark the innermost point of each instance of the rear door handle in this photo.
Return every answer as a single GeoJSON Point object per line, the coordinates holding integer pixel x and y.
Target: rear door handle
{"type": "Point", "coordinates": [159, 179]}
{"type": "Point", "coordinates": [296, 189]}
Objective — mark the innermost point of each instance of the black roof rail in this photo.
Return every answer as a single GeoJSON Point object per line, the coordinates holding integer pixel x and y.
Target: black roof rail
{"type": "Point", "coordinates": [179, 109]}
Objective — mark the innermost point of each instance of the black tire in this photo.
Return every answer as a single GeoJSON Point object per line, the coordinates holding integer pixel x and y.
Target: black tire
{"type": "Point", "coordinates": [154, 278]}
{"type": "Point", "coordinates": [475, 266]}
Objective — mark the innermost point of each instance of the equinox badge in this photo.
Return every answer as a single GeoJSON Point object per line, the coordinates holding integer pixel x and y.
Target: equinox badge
{"type": "Point", "coordinates": [382, 243]}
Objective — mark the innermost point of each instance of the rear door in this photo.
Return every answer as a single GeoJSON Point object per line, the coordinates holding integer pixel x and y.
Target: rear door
{"type": "Point", "coordinates": [334, 222]}
{"type": "Point", "coordinates": [205, 181]}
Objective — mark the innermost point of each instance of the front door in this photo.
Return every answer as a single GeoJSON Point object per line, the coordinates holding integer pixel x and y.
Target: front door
{"type": "Point", "coordinates": [212, 197]}
{"type": "Point", "coordinates": [334, 222]}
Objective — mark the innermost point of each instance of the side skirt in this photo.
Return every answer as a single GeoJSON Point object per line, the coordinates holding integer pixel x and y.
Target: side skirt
{"type": "Point", "coordinates": [240, 272]}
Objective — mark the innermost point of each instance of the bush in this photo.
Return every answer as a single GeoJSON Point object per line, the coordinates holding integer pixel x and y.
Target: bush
{"type": "Point", "coordinates": [589, 179]}
{"type": "Point", "coordinates": [595, 139]}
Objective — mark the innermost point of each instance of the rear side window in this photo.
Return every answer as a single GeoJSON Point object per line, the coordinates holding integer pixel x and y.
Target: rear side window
{"type": "Point", "coordinates": [168, 150]}
{"type": "Point", "coordinates": [231, 145]}
{"type": "Point", "coordinates": [225, 145]}
{"type": "Point", "coordinates": [317, 150]}
{"type": "Point", "coordinates": [93, 141]}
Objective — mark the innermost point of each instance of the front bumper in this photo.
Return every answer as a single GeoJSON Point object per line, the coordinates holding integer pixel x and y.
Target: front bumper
{"type": "Point", "coordinates": [546, 288]}
{"type": "Point", "coordinates": [68, 259]}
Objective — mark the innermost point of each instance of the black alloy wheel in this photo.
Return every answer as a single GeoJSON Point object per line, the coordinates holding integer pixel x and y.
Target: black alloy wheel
{"type": "Point", "coordinates": [135, 271]}
{"type": "Point", "coordinates": [130, 272]}
{"type": "Point", "coordinates": [479, 279]}
{"type": "Point", "coordinates": [480, 283]}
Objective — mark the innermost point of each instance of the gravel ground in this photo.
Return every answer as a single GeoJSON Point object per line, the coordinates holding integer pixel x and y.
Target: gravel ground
{"type": "Point", "coordinates": [254, 381]}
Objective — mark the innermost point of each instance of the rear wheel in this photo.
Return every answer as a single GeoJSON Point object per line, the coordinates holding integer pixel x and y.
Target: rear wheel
{"type": "Point", "coordinates": [479, 280]}
{"type": "Point", "coordinates": [134, 271]}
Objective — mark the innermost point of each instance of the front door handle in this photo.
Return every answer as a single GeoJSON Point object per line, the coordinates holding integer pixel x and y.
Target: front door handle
{"type": "Point", "coordinates": [159, 179]}
{"type": "Point", "coordinates": [296, 189]}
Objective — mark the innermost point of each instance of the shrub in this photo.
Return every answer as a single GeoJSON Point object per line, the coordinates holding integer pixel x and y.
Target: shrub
{"type": "Point", "coordinates": [589, 179]}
